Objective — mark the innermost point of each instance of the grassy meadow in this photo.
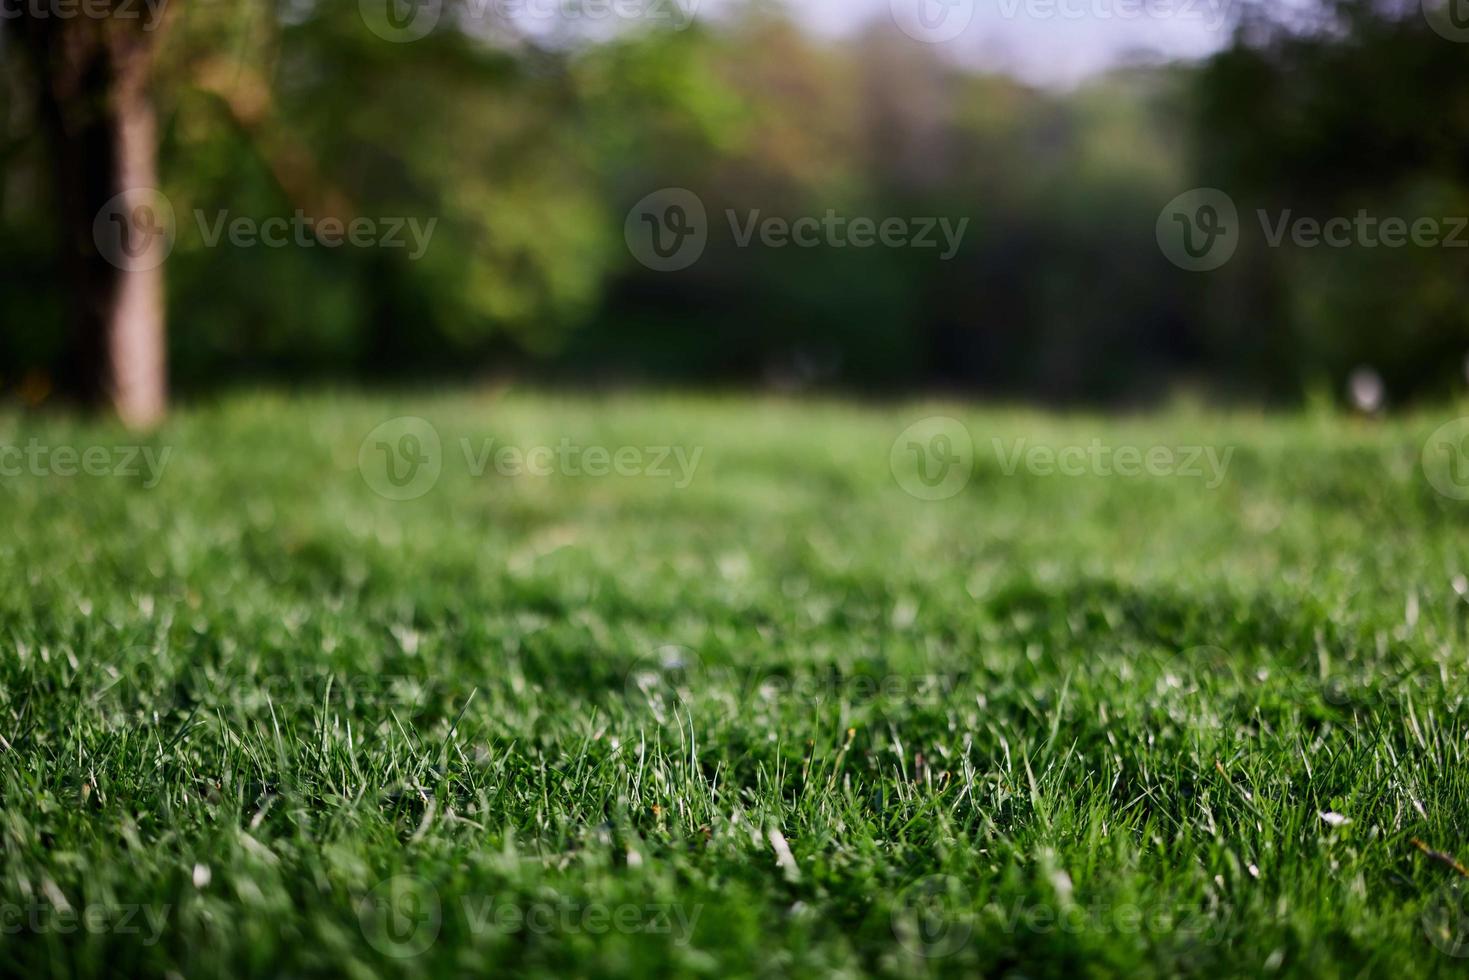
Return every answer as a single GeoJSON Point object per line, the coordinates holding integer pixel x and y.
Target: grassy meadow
{"type": "Point", "coordinates": [652, 684]}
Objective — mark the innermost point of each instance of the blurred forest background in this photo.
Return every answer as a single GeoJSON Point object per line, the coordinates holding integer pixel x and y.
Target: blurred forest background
{"type": "Point", "coordinates": [530, 147]}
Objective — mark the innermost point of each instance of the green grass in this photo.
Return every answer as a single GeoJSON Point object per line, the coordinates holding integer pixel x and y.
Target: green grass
{"type": "Point", "coordinates": [788, 719]}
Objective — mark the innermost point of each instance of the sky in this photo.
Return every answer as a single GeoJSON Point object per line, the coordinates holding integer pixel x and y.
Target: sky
{"type": "Point", "coordinates": [1051, 42]}
{"type": "Point", "coordinates": [1055, 42]}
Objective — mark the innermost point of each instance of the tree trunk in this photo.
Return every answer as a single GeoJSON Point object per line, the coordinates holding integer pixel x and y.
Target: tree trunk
{"type": "Point", "coordinates": [92, 78]}
{"type": "Point", "coordinates": [135, 318]}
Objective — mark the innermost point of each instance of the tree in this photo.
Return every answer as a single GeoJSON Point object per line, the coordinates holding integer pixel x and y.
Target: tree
{"type": "Point", "coordinates": [92, 70]}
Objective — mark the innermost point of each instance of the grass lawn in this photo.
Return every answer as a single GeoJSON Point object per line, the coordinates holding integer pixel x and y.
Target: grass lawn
{"type": "Point", "coordinates": [766, 714]}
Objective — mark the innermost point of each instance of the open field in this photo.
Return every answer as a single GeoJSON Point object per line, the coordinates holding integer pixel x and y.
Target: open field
{"type": "Point", "coordinates": [742, 705]}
